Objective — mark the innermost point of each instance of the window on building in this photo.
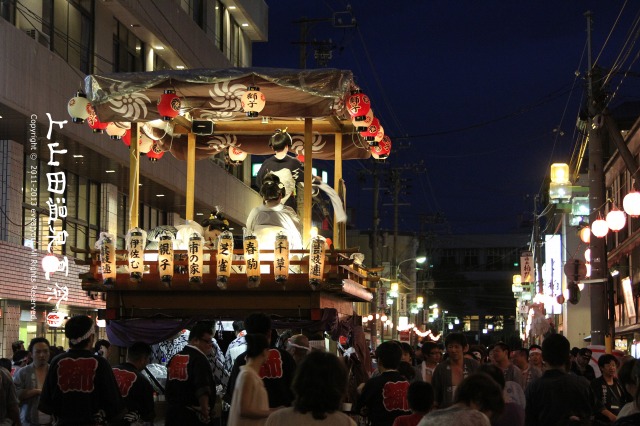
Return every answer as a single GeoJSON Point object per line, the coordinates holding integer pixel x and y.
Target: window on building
{"type": "Point", "coordinates": [470, 257]}
{"type": "Point", "coordinates": [496, 259]}
{"type": "Point", "coordinates": [67, 26]}
{"type": "Point", "coordinates": [81, 200]}
{"type": "Point", "coordinates": [219, 24]}
{"type": "Point", "coordinates": [448, 258]}
{"type": "Point", "coordinates": [127, 49]}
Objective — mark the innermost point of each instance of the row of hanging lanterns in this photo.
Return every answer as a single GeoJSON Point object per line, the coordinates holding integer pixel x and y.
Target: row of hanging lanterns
{"type": "Point", "coordinates": [135, 246]}
{"type": "Point", "coordinates": [168, 105]}
{"type": "Point", "coordinates": [365, 123]}
{"type": "Point", "coordinates": [615, 219]}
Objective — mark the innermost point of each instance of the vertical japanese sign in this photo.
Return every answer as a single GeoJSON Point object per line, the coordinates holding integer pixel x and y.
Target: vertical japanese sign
{"type": "Point", "coordinates": [252, 260]}
{"type": "Point", "coordinates": [195, 251]}
{"type": "Point", "coordinates": [281, 258]}
{"type": "Point", "coordinates": [526, 267]}
{"type": "Point", "coordinates": [224, 259]}
{"type": "Point", "coordinates": [136, 239]}
{"type": "Point", "coordinates": [316, 261]}
{"type": "Point", "coordinates": [165, 258]}
{"type": "Point", "coordinates": [402, 304]}
{"type": "Point", "coordinates": [107, 258]}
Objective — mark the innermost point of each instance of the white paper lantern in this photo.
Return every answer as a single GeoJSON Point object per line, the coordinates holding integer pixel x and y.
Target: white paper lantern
{"type": "Point", "coordinates": [316, 261]}
{"type": "Point", "coordinates": [253, 101]}
{"type": "Point", "coordinates": [79, 108]}
{"type": "Point", "coordinates": [195, 257]}
{"type": "Point", "coordinates": [252, 260]}
{"type": "Point", "coordinates": [116, 130]}
{"type": "Point", "coordinates": [165, 257]}
{"type": "Point", "coordinates": [224, 259]}
{"type": "Point", "coordinates": [585, 234]}
{"type": "Point", "coordinates": [281, 258]}
{"type": "Point", "coordinates": [631, 203]}
{"type": "Point", "coordinates": [107, 258]}
{"type": "Point", "coordinates": [599, 227]}
{"type": "Point", "coordinates": [616, 219]}
{"type": "Point", "coordinates": [236, 154]}
{"type": "Point", "coordinates": [136, 239]}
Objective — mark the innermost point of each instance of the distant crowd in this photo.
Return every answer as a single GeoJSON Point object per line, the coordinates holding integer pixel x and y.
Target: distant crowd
{"type": "Point", "coordinates": [266, 379]}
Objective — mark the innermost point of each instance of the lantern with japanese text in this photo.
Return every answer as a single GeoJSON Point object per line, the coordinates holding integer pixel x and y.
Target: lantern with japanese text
{"type": "Point", "coordinates": [155, 153]}
{"type": "Point", "coordinates": [361, 122]}
{"type": "Point", "coordinates": [252, 260]}
{"type": "Point", "coordinates": [253, 101]}
{"type": "Point", "coordinates": [236, 155]}
{"type": "Point", "coordinates": [378, 137]}
{"type": "Point", "coordinates": [369, 135]}
{"type": "Point", "coordinates": [281, 258]}
{"type": "Point", "coordinates": [195, 253]}
{"type": "Point", "coordinates": [79, 108]}
{"type": "Point", "coordinates": [94, 122]}
{"type": "Point", "coordinates": [136, 239]}
{"type": "Point", "coordinates": [165, 257]}
{"type": "Point", "coordinates": [224, 259]}
{"type": "Point", "coordinates": [117, 130]}
{"type": "Point", "coordinates": [316, 261]}
{"type": "Point", "coordinates": [358, 104]}
{"type": "Point", "coordinates": [383, 149]}
{"type": "Point", "coordinates": [107, 258]}
{"type": "Point", "coordinates": [169, 105]}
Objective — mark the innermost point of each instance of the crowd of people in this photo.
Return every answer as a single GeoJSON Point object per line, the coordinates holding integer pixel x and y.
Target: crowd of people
{"type": "Point", "coordinates": [292, 384]}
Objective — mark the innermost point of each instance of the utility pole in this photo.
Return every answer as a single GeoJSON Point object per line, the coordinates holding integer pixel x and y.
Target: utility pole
{"type": "Point", "coordinates": [344, 19]}
{"type": "Point", "coordinates": [538, 246]}
{"type": "Point", "coordinates": [374, 255]}
{"type": "Point", "coordinates": [597, 200]}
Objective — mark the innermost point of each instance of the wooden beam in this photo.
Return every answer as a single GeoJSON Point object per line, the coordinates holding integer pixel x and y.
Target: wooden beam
{"type": "Point", "coordinates": [134, 176]}
{"type": "Point", "coordinates": [308, 179]}
{"type": "Point", "coordinates": [255, 127]}
{"type": "Point", "coordinates": [191, 175]}
{"type": "Point", "coordinates": [337, 177]}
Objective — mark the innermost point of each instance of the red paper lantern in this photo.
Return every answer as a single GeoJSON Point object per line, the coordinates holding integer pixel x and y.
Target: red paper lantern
{"type": "Point", "coordinates": [155, 153]}
{"type": "Point", "coordinates": [94, 122]}
{"type": "Point", "coordinates": [169, 105]}
{"type": "Point", "coordinates": [126, 138]}
{"type": "Point", "coordinates": [358, 104]}
{"type": "Point", "coordinates": [361, 122]}
{"type": "Point", "coordinates": [382, 150]}
{"type": "Point", "coordinates": [369, 135]}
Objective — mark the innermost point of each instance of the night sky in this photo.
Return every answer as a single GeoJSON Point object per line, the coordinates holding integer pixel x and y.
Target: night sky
{"type": "Point", "coordinates": [478, 97]}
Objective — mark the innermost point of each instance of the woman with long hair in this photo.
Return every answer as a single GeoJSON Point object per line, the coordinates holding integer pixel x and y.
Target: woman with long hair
{"type": "Point", "coordinates": [320, 385]}
{"type": "Point", "coordinates": [250, 402]}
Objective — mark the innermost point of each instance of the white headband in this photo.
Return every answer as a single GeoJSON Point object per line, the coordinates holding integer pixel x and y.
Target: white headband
{"type": "Point", "coordinates": [535, 351]}
{"type": "Point", "coordinates": [293, 345]}
{"type": "Point", "coordinates": [85, 336]}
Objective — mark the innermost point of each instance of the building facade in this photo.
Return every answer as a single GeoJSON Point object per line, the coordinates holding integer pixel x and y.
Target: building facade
{"type": "Point", "coordinates": [62, 184]}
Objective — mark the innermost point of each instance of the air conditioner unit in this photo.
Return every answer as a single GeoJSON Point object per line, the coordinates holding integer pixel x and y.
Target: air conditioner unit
{"type": "Point", "coordinates": [40, 37]}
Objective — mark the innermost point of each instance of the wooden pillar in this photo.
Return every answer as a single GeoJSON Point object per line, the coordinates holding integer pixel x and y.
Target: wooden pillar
{"type": "Point", "coordinates": [337, 178]}
{"type": "Point", "coordinates": [134, 176]}
{"type": "Point", "coordinates": [308, 179]}
{"type": "Point", "coordinates": [191, 175]}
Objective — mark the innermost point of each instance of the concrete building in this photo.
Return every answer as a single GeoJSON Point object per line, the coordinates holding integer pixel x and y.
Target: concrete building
{"type": "Point", "coordinates": [47, 48]}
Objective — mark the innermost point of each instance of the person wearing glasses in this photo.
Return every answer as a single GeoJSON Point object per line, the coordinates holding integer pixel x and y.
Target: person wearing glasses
{"type": "Point", "coordinates": [432, 356]}
{"type": "Point", "coordinates": [191, 390]}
